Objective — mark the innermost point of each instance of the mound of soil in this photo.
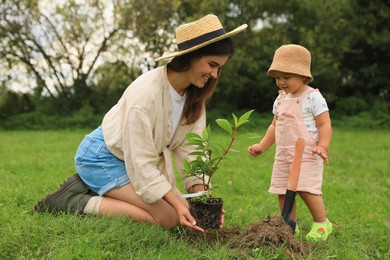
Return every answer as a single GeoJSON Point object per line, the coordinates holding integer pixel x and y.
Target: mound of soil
{"type": "Point", "coordinates": [273, 233]}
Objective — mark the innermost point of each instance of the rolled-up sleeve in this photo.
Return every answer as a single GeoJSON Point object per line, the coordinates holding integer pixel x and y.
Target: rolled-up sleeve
{"type": "Point", "coordinates": [140, 157]}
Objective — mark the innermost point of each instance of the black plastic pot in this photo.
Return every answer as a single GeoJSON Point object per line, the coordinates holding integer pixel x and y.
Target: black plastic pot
{"type": "Point", "coordinates": [206, 211]}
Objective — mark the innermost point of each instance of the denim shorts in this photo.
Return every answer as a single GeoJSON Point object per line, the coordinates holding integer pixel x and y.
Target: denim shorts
{"type": "Point", "coordinates": [97, 166]}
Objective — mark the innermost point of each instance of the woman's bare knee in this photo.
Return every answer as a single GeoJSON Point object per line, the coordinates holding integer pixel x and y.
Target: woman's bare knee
{"type": "Point", "coordinates": [164, 215]}
{"type": "Point", "coordinates": [114, 207]}
{"type": "Point", "coordinates": [161, 212]}
{"type": "Point", "coordinates": [166, 218]}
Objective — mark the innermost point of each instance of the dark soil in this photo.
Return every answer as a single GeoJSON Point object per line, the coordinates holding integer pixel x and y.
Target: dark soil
{"type": "Point", "coordinates": [272, 233]}
{"type": "Point", "coordinates": [206, 211]}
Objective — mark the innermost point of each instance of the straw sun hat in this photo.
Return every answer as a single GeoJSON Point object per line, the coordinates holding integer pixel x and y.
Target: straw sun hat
{"type": "Point", "coordinates": [291, 58]}
{"type": "Point", "coordinates": [202, 32]}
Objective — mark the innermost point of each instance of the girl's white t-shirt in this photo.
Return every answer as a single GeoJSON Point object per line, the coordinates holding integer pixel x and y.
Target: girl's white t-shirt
{"type": "Point", "coordinates": [313, 105]}
{"type": "Point", "coordinates": [177, 105]}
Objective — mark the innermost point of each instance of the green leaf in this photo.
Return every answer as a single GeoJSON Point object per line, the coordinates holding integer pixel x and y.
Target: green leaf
{"type": "Point", "coordinates": [206, 134]}
{"type": "Point", "coordinates": [193, 139]}
{"type": "Point", "coordinates": [244, 118]}
{"type": "Point", "coordinates": [248, 135]}
{"type": "Point", "coordinates": [187, 167]}
{"type": "Point", "coordinates": [195, 142]}
{"type": "Point", "coordinates": [196, 163]}
{"type": "Point", "coordinates": [224, 124]}
{"type": "Point", "coordinates": [235, 120]}
{"type": "Point", "coordinates": [210, 153]}
{"type": "Point", "coordinates": [203, 154]}
{"type": "Point", "coordinates": [192, 136]}
{"type": "Point", "coordinates": [208, 167]}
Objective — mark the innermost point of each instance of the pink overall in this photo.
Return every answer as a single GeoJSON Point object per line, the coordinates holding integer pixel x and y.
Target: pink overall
{"type": "Point", "coordinates": [289, 127]}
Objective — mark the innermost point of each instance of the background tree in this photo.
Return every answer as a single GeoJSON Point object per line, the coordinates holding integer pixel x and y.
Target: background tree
{"type": "Point", "coordinates": [152, 23]}
{"type": "Point", "coordinates": [59, 47]}
{"type": "Point", "coordinates": [347, 40]}
{"type": "Point", "coordinates": [84, 53]}
{"type": "Point", "coordinates": [365, 62]}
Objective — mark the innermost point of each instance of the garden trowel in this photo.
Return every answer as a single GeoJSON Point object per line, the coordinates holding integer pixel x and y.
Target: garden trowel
{"type": "Point", "coordinates": [293, 183]}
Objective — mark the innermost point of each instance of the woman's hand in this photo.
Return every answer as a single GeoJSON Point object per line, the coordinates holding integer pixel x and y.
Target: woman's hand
{"type": "Point", "coordinates": [183, 211]}
{"type": "Point", "coordinates": [186, 219]}
{"type": "Point", "coordinates": [222, 219]}
{"type": "Point", "coordinates": [192, 223]}
{"type": "Point", "coordinates": [197, 187]}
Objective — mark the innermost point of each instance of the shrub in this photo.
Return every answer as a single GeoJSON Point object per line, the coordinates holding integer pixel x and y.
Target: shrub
{"type": "Point", "coordinates": [351, 106]}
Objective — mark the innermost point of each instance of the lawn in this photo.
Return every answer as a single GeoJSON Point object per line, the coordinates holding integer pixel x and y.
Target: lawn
{"type": "Point", "coordinates": [33, 163]}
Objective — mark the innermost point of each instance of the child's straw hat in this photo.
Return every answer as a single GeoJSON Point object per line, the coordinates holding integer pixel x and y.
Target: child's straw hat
{"type": "Point", "coordinates": [291, 58]}
{"type": "Point", "coordinates": [202, 32]}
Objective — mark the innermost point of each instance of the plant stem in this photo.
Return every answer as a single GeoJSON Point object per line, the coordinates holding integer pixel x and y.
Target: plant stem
{"type": "Point", "coordinates": [233, 138]}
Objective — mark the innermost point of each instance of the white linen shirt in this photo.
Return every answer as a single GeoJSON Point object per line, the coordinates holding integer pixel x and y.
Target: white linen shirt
{"type": "Point", "coordinates": [137, 131]}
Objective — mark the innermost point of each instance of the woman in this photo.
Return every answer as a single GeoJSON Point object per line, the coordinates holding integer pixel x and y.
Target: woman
{"type": "Point", "coordinates": [126, 161]}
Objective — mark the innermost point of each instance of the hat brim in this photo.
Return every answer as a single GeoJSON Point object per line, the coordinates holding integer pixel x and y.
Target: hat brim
{"type": "Point", "coordinates": [226, 35]}
{"type": "Point", "coordinates": [271, 72]}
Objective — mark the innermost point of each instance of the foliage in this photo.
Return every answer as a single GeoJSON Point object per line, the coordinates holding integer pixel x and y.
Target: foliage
{"type": "Point", "coordinates": [152, 24]}
{"type": "Point", "coordinates": [58, 52]}
{"type": "Point", "coordinates": [112, 80]}
{"type": "Point", "coordinates": [209, 153]}
{"type": "Point", "coordinates": [12, 103]}
{"type": "Point", "coordinates": [59, 47]}
{"type": "Point", "coordinates": [367, 56]}
{"type": "Point", "coordinates": [84, 118]}
{"type": "Point", "coordinates": [347, 40]}
{"type": "Point", "coordinates": [351, 106]}
{"type": "Point", "coordinates": [364, 120]}
{"type": "Point", "coordinates": [376, 117]}
{"type": "Point", "coordinates": [52, 48]}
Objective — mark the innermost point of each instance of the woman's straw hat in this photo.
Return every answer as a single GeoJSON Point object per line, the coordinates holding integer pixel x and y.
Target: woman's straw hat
{"type": "Point", "coordinates": [202, 32]}
{"type": "Point", "coordinates": [291, 58]}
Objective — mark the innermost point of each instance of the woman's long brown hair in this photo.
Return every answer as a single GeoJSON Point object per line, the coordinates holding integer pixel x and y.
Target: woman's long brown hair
{"type": "Point", "coordinates": [197, 97]}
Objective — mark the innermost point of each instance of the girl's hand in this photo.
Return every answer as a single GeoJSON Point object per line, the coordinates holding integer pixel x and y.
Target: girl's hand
{"type": "Point", "coordinates": [322, 152]}
{"type": "Point", "coordinates": [256, 150]}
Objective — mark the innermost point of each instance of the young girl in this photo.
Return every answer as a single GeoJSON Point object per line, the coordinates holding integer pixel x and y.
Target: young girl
{"type": "Point", "coordinates": [300, 112]}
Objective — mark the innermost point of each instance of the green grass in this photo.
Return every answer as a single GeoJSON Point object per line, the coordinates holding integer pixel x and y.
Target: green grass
{"type": "Point", "coordinates": [356, 192]}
